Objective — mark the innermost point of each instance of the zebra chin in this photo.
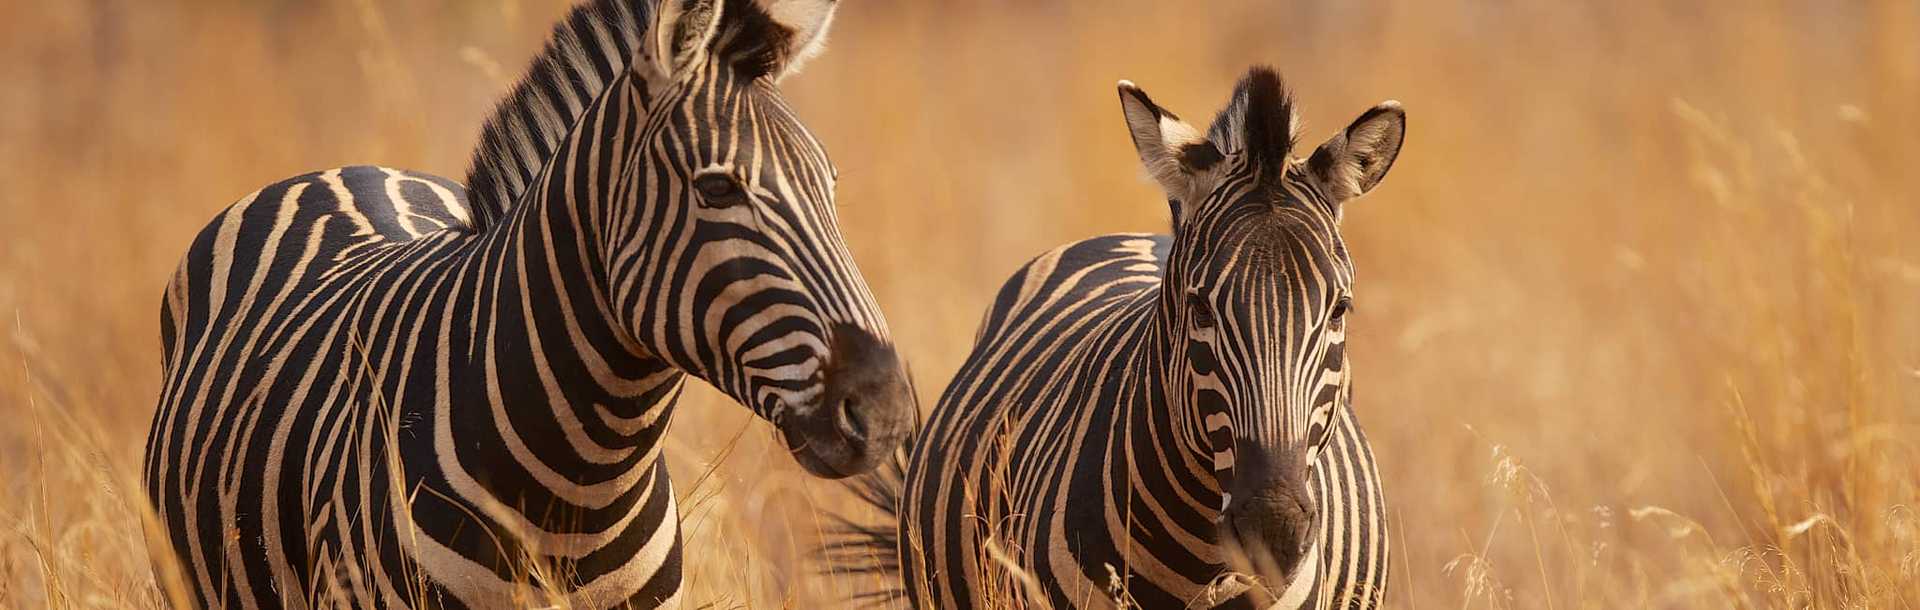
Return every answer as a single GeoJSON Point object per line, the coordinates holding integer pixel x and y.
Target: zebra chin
{"type": "Point", "coordinates": [1282, 580]}
{"type": "Point", "coordinates": [1270, 527]}
{"type": "Point", "coordinates": [863, 414]}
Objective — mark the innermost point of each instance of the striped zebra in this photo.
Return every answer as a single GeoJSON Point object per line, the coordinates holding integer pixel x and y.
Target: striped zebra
{"type": "Point", "coordinates": [383, 389]}
{"type": "Point", "coordinates": [1164, 422]}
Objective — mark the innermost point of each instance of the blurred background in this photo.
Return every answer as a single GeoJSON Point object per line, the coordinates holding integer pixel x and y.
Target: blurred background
{"type": "Point", "coordinates": [1638, 309]}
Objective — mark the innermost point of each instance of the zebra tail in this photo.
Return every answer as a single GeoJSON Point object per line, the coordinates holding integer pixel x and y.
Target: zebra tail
{"type": "Point", "coordinates": [865, 549]}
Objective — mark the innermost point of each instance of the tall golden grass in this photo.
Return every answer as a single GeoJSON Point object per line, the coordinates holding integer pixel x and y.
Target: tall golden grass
{"type": "Point", "coordinates": [1638, 316]}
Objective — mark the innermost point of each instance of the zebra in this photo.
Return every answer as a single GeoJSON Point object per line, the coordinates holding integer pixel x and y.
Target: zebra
{"type": "Point", "coordinates": [384, 389]}
{"type": "Point", "coordinates": [1162, 421]}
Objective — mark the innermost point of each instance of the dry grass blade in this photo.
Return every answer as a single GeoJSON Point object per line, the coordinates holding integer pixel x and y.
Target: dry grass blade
{"type": "Point", "coordinates": [1663, 258]}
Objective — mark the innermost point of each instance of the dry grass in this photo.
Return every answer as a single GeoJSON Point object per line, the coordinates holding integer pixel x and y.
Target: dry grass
{"type": "Point", "coordinates": [1637, 311]}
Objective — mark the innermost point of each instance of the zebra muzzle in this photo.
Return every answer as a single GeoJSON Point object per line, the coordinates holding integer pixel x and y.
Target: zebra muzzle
{"type": "Point", "coordinates": [1270, 526]}
{"type": "Point", "coordinates": [864, 411]}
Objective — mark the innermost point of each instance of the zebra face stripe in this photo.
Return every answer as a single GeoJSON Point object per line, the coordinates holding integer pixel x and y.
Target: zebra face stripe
{"type": "Point", "coordinates": [734, 269]}
{"type": "Point", "coordinates": [1263, 357]}
{"type": "Point", "coordinates": [1255, 296]}
{"type": "Point", "coordinates": [1265, 280]}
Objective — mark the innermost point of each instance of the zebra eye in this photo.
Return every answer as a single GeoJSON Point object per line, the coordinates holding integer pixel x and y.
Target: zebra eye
{"type": "Point", "coordinates": [1199, 312]}
{"type": "Point", "coordinates": [719, 190]}
{"type": "Point", "coordinates": [1339, 315]}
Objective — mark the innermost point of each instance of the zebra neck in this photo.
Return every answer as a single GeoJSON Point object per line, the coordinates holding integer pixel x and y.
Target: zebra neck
{"type": "Point", "coordinates": [1191, 433]}
{"type": "Point", "coordinates": [1166, 438]}
{"type": "Point", "coordinates": [557, 346]}
{"type": "Point", "coordinates": [1169, 503]}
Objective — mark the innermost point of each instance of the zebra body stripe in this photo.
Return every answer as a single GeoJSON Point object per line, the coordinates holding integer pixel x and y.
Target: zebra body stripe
{"type": "Point", "coordinates": [380, 392]}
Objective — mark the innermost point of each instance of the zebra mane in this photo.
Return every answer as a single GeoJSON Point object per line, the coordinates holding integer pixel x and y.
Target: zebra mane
{"type": "Point", "coordinates": [586, 51]}
{"type": "Point", "coordinates": [1260, 119]}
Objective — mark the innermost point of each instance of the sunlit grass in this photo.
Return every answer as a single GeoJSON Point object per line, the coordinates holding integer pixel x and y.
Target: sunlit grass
{"type": "Point", "coordinates": [1635, 317]}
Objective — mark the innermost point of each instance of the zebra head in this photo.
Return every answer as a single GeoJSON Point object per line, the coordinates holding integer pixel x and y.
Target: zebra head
{"type": "Point", "coordinates": [733, 268]}
{"type": "Point", "coordinates": [1257, 288]}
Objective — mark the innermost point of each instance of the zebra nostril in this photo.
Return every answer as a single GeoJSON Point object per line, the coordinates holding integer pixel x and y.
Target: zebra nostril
{"type": "Point", "coordinates": [850, 421]}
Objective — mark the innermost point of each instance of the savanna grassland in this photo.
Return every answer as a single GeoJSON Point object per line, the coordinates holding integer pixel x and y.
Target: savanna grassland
{"type": "Point", "coordinates": [1637, 321]}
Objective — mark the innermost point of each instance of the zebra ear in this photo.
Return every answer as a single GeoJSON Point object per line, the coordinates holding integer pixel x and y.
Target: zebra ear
{"type": "Point", "coordinates": [681, 34]}
{"type": "Point", "coordinates": [1355, 160]}
{"type": "Point", "coordinates": [1171, 150]}
{"type": "Point", "coordinates": [798, 34]}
